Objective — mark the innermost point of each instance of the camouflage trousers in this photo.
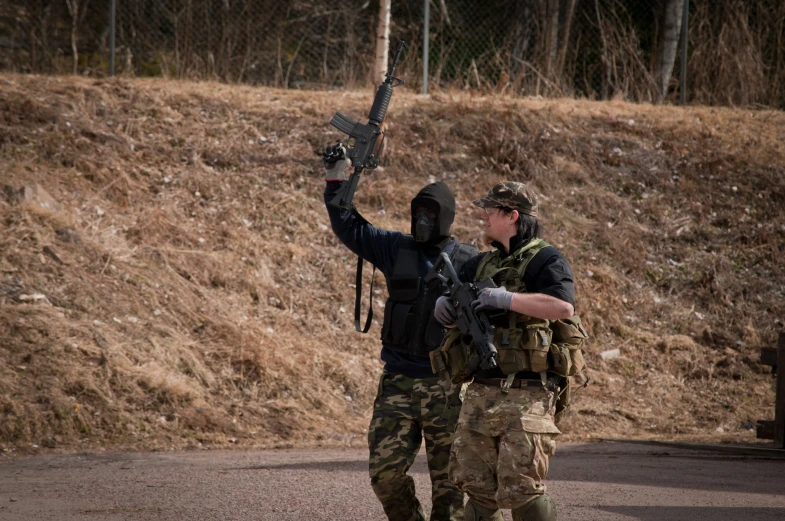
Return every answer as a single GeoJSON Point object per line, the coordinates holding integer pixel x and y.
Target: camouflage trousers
{"type": "Point", "coordinates": [503, 444]}
{"type": "Point", "coordinates": [406, 410]}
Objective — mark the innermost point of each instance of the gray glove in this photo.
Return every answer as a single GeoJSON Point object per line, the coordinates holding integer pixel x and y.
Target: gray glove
{"type": "Point", "coordinates": [444, 313]}
{"type": "Point", "coordinates": [336, 170]}
{"type": "Point", "coordinates": [493, 298]}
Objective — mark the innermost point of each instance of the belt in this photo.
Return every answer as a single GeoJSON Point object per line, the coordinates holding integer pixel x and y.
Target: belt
{"type": "Point", "coordinates": [517, 383]}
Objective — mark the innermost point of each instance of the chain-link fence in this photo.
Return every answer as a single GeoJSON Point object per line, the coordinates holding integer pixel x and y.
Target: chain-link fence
{"type": "Point", "coordinates": [598, 49]}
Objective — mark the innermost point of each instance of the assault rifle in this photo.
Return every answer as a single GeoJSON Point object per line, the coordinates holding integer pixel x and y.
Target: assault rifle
{"type": "Point", "coordinates": [473, 323]}
{"type": "Point", "coordinates": [368, 138]}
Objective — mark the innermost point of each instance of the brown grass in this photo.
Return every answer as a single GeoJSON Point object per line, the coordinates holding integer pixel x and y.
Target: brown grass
{"type": "Point", "coordinates": [202, 300]}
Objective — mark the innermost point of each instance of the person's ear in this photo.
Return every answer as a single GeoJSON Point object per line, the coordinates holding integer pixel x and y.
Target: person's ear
{"type": "Point", "coordinates": [514, 215]}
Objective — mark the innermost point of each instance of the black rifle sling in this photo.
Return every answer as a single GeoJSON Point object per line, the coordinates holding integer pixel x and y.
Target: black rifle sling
{"type": "Point", "coordinates": [358, 282]}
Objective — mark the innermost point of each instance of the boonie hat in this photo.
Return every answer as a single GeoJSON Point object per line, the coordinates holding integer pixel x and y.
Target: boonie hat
{"type": "Point", "coordinates": [510, 194]}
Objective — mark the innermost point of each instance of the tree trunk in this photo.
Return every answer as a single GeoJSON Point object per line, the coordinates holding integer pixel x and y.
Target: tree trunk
{"type": "Point", "coordinates": [564, 35]}
{"type": "Point", "coordinates": [382, 41]}
{"type": "Point", "coordinates": [73, 9]}
{"type": "Point", "coordinates": [523, 35]}
{"type": "Point", "coordinates": [668, 45]}
{"type": "Point", "coordinates": [551, 37]}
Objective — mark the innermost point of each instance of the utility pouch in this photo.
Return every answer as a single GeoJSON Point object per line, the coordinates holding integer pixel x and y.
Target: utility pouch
{"type": "Point", "coordinates": [578, 362]}
{"type": "Point", "coordinates": [569, 335]}
{"type": "Point", "coordinates": [511, 357]}
{"type": "Point", "coordinates": [563, 400]}
{"type": "Point", "coordinates": [398, 318]}
{"type": "Point", "coordinates": [449, 361]}
{"type": "Point", "coordinates": [536, 341]}
{"type": "Point", "coordinates": [560, 359]}
{"type": "Point", "coordinates": [569, 331]}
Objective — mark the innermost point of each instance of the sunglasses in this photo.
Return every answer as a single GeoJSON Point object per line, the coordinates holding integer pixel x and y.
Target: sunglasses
{"type": "Point", "coordinates": [487, 209]}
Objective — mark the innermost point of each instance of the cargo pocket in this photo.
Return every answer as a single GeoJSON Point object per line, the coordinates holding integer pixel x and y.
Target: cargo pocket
{"type": "Point", "coordinates": [539, 424]}
{"type": "Point", "coordinates": [452, 404]}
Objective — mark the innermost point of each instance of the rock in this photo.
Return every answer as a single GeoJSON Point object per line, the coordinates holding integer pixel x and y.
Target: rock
{"type": "Point", "coordinates": [35, 195]}
{"type": "Point", "coordinates": [610, 354]}
{"type": "Point", "coordinates": [35, 297]}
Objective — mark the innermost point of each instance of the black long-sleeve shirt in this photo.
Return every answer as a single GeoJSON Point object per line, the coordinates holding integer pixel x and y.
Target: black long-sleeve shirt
{"type": "Point", "coordinates": [548, 273]}
{"type": "Point", "coordinates": [380, 248]}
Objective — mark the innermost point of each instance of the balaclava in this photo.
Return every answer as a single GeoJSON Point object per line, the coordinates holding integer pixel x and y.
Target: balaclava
{"type": "Point", "coordinates": [438, 198]}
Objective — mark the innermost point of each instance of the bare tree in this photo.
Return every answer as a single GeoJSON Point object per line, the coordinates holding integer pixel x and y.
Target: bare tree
{"type": "Point", "coordinates": [551, 36]}
{"type": "Point", "coordinates": [540, 39]}
{"type": "Point", "coordinates": [382, 41]}
{"type": "Point", "coordinates": [568, 12]}
{"type": "Point", "coordinates": [77, 10]}
{"type": "Point", "coordinates": [668, 45]}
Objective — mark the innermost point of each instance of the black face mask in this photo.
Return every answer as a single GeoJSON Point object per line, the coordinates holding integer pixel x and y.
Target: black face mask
{"type": "Point", "coordinates": [423, 228]}
{"type": "Point", "coordinates": [433, 210]}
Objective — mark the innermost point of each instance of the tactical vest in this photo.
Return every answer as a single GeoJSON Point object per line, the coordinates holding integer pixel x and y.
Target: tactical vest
{"type": "Point", "coordinates": [524, 343]}
{"type": "Point", "coordinates": [409, 326]}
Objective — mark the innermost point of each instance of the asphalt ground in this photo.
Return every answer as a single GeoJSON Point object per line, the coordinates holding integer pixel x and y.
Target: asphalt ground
{"type": "Point", "coordinates": [601, 481]}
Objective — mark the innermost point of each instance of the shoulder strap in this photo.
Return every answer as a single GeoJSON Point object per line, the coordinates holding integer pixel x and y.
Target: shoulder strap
{"type": "Point", "coordinates": [358, 284]}
{"type": "Point", "coordinates": [526, 254]}
{"type": "Point", "coordinates": [523, 255]}
{"type": "Point", "coordinates": [484, 262]}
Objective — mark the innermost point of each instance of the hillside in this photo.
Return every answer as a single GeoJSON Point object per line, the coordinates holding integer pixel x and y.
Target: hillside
{"type": "Point", "coordinates": [182, 288]}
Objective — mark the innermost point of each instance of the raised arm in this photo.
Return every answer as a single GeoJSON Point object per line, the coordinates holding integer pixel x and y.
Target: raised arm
{"type": "Point", "coordinates": [373, 244]}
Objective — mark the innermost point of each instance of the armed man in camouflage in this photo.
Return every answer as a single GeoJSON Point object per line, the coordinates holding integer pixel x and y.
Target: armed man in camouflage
{"type": "Point", "coordinates": [412, 402]}
{"type": "Point", "coordinates": [506, 431]}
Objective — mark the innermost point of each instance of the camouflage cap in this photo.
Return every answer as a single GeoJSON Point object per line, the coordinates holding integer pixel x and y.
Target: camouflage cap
{"type": "Point", "coordinates": [510, 194]}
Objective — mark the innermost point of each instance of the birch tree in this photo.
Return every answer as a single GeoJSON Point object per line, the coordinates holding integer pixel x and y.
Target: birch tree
{"type": "Point", "coordinates": [668, 45]}
{"type": "Point", "coordinates": [382, 41]}
{"type": "Point", "coordinates": [77, 10]}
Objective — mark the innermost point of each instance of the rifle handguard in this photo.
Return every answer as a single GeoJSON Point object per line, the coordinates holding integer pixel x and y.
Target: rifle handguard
{"type": "Point", "coordinates": [380, 104]}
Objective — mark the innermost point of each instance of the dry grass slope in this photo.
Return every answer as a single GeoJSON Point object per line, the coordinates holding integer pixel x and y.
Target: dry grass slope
{"type": "Point", "coordinates": [186, 291]}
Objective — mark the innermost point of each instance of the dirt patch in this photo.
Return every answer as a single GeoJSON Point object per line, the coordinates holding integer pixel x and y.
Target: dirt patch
{"type": "Point", "coordinates": [187, 289]}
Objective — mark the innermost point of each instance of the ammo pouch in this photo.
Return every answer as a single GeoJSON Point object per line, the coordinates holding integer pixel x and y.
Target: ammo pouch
{"type": "Point", "coordinates": [566, 353]}
{"type": "Point", "coordinates": [450, 359]}
{"type": "Point", "coordinates": [524, 346]}
{"type": "Point", "coordinates": [567, 360]}
{"type": "Point", "coordinates": [531, 344]}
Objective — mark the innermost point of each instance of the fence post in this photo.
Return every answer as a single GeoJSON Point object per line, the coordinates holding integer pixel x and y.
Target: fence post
{"type": "Point", "coordinates": [112, 10]}
{"type": "Point", "coordinates": [685, 27]}
{"type": "Point", "coordinates": [425, 33]}
{"type": "Point", "coordinates": [779, 397]}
